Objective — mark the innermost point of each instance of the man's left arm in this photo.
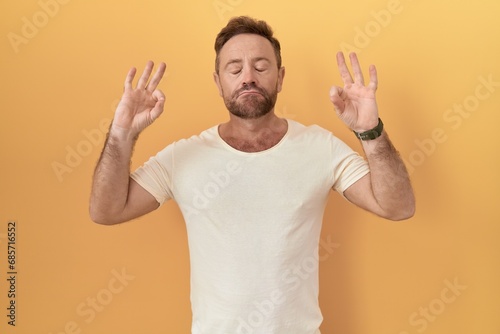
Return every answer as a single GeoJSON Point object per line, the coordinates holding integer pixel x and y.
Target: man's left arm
{"type": "Point", "coordinates": [385, 191]}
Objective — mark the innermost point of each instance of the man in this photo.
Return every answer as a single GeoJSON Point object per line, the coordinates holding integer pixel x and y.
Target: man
{"type": "Point", "coordinates": [252, 190]}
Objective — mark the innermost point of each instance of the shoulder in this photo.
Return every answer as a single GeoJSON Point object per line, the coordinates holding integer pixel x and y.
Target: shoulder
{"type": "Point", "coordinates": [312, 131]}
{"type": "Point", "coordinates": [198, 147]}
{"type": "Point", "coordinates": [187, 145]}
{"type": "Point", "coordinates": [206, 137]}
{"type": "Point", "coordinates": [316, 136]}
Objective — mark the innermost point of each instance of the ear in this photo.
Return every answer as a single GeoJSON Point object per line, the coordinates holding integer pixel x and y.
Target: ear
{"type": "Point", "coordinates": [217, 82]}
{"type": "Point", "coordinates": [281, 76]}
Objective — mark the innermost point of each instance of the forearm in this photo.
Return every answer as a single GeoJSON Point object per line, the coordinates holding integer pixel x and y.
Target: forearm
{"type": "Point", "coordinates": [390, 181]}
{"type": "Point", "coordinates": [111, 177]}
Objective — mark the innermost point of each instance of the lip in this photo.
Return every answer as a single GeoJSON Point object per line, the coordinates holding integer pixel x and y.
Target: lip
{"type": "Point", "coordinates": [250, 92]}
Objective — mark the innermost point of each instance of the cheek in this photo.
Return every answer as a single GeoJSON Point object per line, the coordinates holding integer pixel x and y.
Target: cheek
{"type": "Point", "coordinates": [226, 89]}
{"type": "Point", "coordinates": [223, 85]}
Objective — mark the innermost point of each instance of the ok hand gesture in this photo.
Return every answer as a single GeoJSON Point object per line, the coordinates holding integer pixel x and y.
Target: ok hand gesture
{"type": "Point", "coordinates": [140, 106]}
{"type": "Point", "coordinates": [355, 103]}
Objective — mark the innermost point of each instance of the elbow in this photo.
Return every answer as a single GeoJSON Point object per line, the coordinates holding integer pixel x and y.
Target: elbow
{"type": "Point", "coordinates": [100, 217]}
{"type": "Point", "coordinates": [103, 221]}
{"type": "Point", "coordinates": [404, 212]}
{"type": "Point", "coordinates": [402, 216]}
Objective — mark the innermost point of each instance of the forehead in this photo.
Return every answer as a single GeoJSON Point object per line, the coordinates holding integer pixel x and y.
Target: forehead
{"type": "Point", "coordinates": [247, 46]}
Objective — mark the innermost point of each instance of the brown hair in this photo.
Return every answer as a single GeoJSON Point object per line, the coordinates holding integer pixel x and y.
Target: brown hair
{"type": "Point", "coordinates": [246, 25]}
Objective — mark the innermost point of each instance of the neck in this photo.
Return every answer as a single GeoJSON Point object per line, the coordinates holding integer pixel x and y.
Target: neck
{"type": "Point", "coordinates": [253, 135]}
{"type": "Point", "coordinates": [251, 127]}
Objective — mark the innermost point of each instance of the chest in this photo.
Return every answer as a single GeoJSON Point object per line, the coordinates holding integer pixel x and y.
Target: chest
{"type": "Point", "coordinates": [281, 182]}
{"type": "Point", "coordinates": [257, 144]}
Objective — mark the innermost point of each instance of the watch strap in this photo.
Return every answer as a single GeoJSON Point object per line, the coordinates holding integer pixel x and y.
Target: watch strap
{"type": "Point", "coordinates": [371, 134]}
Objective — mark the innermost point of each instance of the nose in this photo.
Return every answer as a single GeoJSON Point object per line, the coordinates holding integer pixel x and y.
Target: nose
{"type": "Point", "coordinates": [249, 77]}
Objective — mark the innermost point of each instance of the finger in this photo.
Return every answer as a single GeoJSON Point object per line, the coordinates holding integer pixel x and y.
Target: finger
{"type": "Point", "coordinates": [157, 77]}
{"type": "Point", "coordinates": [373, 78]}
{"type": "Point", "coordinates": [158, 95]}
{"type": "Point", "coordinates": [160, 103]}
{"type": "Point", "coordinates": [143, 80]}
{"type": "Point", "coordinates": [130, 78]}
{"type": "Point", "coordinates": [356, 69]}
{"type": "Point", "coordinates": [336, 96]}
{"type": "Point", "coordinates": [344, 71]}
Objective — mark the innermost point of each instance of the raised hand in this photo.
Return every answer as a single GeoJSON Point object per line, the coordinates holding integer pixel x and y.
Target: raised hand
{"type": "Point", "coordinates": [355, 103]}
{"type": "Point", "coordinates": [140, 106]}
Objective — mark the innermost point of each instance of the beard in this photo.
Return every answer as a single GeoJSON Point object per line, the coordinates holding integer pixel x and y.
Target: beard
{"type": "Point", "coordinates": [251, 106]}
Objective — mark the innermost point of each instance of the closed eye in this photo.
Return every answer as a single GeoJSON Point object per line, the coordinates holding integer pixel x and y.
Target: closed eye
{"type": "Point", "coordinates": [261, 64]}
{"type": "Point", "coordinates": [235, 69]}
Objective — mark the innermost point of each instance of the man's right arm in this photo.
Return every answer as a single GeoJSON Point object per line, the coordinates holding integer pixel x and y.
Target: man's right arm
{"type": "Point", "coordinates": [115, 197]}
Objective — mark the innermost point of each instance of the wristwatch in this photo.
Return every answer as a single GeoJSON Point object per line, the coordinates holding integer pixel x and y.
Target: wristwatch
{"type": "Point", "coordinates": [371, 134]}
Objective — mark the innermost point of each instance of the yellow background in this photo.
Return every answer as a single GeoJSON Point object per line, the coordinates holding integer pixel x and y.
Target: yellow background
{"type": "Point", "coordinates": [61, 85]}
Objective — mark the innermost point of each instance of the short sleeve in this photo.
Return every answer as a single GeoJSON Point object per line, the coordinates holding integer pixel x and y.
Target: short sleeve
{"type": "Point", "coordinates": [349, 166]}
{"type": "Point", "coordinates": [155, 176]}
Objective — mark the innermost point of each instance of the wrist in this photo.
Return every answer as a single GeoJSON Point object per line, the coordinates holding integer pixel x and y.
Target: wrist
{"type": "Point", "coordinates": [122, 134]}
{"type": "Point", "coordinates": [372, 133]}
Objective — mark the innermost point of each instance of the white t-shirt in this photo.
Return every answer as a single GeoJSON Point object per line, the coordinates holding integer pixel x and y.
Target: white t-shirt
{"type": "Point", "coordinates": [253, 222]}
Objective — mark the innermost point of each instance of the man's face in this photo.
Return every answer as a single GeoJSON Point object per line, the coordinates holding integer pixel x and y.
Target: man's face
{"type": "Point", "coordinates": [249, 79]}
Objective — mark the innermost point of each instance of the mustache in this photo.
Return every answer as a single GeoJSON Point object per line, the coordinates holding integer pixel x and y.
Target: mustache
{"type": "Point", "coordinates": [251, 86]}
